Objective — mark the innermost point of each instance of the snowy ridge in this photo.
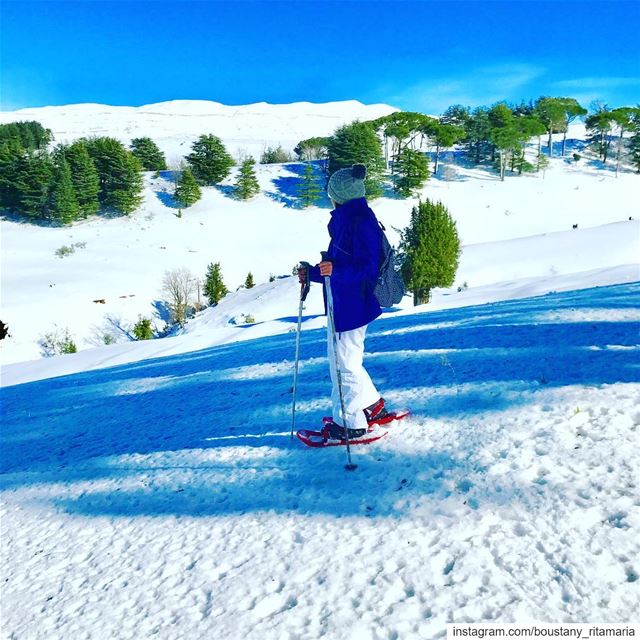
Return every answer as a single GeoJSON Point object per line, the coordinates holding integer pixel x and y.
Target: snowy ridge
{"type": "Point", "coordinates": [174, 125]}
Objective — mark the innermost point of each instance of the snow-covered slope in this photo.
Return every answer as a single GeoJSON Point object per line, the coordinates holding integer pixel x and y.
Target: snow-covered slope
{"type": "Point", "coordinates": [165, 499]}
{"type": "Point", "coordinates": [512, 230]}
{"type": "Point", "coordinates": [174, 125]}
{"type": "Point", "coordinates": [272, 309]}
{"type": "Point", "coordinates": [151, 489]}
{"type": "Point", "coordinates": [121, 261]}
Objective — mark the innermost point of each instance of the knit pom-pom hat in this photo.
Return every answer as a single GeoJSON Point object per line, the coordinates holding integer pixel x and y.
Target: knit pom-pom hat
{"type": "Point", "coordinates": [347, 184]}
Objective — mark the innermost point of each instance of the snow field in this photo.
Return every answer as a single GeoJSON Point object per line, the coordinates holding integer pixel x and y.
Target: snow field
{"type": "Point", "coordinates": [150, 489]}
{"type": "Point", "coordinates": [124, 259]}
{"type": "Point", "coordinates": [512, 230]}
{"type": "Point", "coordinates": [185, 511]}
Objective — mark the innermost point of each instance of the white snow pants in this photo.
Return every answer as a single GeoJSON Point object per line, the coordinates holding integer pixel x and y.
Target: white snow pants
{"type": "Point", "coordinates": [358, 391]}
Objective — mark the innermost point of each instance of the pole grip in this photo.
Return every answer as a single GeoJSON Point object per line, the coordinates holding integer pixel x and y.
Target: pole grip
{"type": "Point", "coordinates": [304, 288]}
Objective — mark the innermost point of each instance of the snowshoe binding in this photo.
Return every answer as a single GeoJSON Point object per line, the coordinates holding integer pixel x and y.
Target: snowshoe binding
{"type": "Point", "coordinates": [376, 414]}
{"type": "Point", "coordinates": [334, 435]}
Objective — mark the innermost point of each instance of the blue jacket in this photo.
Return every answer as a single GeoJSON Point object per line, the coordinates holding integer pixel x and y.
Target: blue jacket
{"type": "Point", "coordinates": [355, 247]}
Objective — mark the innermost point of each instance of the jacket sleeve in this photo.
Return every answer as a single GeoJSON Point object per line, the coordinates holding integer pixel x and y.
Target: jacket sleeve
{"type": "Point", "coordinates": [363, 264]}
{"type": "Point", "coordinates": [314, 274]}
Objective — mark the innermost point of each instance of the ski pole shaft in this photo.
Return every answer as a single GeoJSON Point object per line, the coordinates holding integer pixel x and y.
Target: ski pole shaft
{"type": "Point", "coordinates": [332, 329]}
{"type": "Point", "coordinates": [304, 291]}
{"type": "Point", "coordinates": [295, 373]}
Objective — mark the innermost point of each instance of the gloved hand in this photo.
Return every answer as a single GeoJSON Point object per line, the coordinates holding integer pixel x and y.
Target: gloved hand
{"type": "Point", "coordinates": [303, 273]}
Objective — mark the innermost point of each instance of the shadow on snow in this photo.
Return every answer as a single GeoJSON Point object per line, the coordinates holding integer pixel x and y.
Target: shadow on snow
{"type": "Point", "coordinates": [288, 188]}
{"type": "Point", "coordinates": [454, 363]}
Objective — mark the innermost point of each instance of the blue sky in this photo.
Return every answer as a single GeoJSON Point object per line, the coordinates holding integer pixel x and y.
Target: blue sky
{"type": "Point", "coordinates": [415, 55]}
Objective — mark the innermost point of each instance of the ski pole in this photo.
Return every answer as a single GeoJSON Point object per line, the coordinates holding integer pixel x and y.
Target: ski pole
{"type": "Point", "coordinates": [304, 290]}
{"type": "Point", "coordinates": [330, 318]}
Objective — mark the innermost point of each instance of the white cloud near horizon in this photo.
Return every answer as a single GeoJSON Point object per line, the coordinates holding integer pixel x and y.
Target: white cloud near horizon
{"type": "Point", "coordinates": [483, 86]}
{"type": "Point", "coordinates": [596, 83]}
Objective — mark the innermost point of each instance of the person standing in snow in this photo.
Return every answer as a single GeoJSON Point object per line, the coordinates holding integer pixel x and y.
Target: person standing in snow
{"type": "Point", "coordinates": [352, 261]}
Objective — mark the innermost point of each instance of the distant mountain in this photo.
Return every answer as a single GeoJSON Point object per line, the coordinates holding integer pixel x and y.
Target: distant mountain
{"type": "Point", "coordinates": [175, 124]}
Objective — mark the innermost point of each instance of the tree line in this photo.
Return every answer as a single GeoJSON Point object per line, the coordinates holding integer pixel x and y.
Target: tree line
{"type": "Point", "coordinates": [72, 181]}
{"type": "Point", "coordinates": [101, 175]}
{"type": "Point", "coordinates": [498, 134]}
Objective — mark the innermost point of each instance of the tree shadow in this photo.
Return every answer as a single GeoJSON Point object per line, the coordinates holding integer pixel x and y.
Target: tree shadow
{"type": "Point", "coordinates": [294, 319]}
{"type": "Point", "coordinates": [288, 187]}
{"type": "Point", "coordinates": [169, 176]}
{"type": "Point", "coordinates": [556, 147]}
{"type": "Point", "coordinates": [307, 482]}
{"type": "Point", "coordinates": [460, 363]}
{"type": "Point", "coordinates": [449, 173]}
{"type": "Point", "coordinates": [574, 145]}
{"type": "Point", "coordinates": [168, 200]}
{"type": "Point", "coordinates": [162, 311]}
{"type": "Point", "coordinates": [17, 218]}
{"type": "Point", "coordinates": [227, 190]}
{"type": "Point", "coordinates": [389, 192]}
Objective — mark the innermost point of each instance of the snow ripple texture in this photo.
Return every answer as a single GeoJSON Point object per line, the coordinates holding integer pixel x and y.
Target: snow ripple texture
{"type": "Point", "coordinates": [161, 500]}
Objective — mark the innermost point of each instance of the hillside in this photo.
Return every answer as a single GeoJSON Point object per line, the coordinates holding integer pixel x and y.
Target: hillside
{"type": "Point", "coordinates": [165, 497]}
{"type": "Point", "coordinates": [121, 261]}
{"type": "Point", "coordinates": [151, 488]}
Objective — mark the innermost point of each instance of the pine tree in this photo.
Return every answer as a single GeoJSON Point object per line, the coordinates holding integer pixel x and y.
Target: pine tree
{"type": "Point", "coordinates": [248, 283]}
{"type": "Point", "coordinates": [358, 143]}
{"type": "Point", "coordinates": [63, 206]}
{"type": "Point", "coordinates": [188, 191]}
{"type": "Point", "coordinates": [11, 158]}
{"type": "Point", "coordinates": [634, 142]}
{"type": "Point", "coordinates": [275, 155]}
{"type": "Point", "coordinates": [531, 127]}
{"type": "Point", "coordinates": [445, 136]}
{"type": "Point", "coordinates": [411, 171]}
{"type": "Point", "coordinates": [312, 148]}
{"type": "Point", "coordinates": [542, 163]}
{"type": "Point", "coordinates": [86, 182]}
{"type": "Point", "coordinates": [634, 149]}
{"type": "Point", "coordinates": [247, 184]}
{"type": "Point", "coordinates": [572, 110]}
{"type": "Point", "coordinates": [120, 174]}
{"type": "Point", "coordinates": [31, 136]}
{"type": "Point", "coordinates": [509, 141]}
{"type": "Point", "coordinates": [209, 160]}
{"type": "Point", "coordinates": [400, 130]}
{"type": "Point", "coordinates": [478, 133]}
{"type": "Point", "coordinates": [431, 250]}
{"type": "Point", "coordinates": [142, 329]}
{"type": "Point", "coordinates": [509, 135]}
{"type": "Point", "coordinates": [309, 190]}
{"type": "Point", "coordinates": [33, 176]}
{"type": "Point", "coordinates": [214, 287]}
{"type": "Point", "coordinates": [457, 115]}
{"type": "Point", "coordinates": [150, 156]}
{"type": "Point", "coordinates": [551, 112]}
{"type": "Point", "coordinates": [623, 119]}
{"type": "Point", "coordinates": [599, 125]}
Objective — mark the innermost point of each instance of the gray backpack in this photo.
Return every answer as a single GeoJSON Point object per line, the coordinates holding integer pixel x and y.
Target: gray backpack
{"type": "Point", "coordinates": [389, 288]}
